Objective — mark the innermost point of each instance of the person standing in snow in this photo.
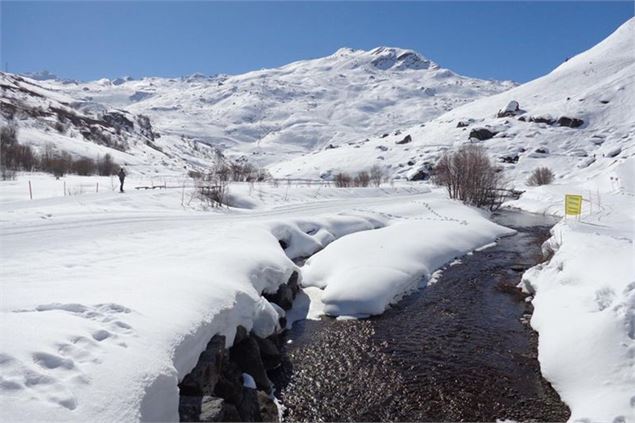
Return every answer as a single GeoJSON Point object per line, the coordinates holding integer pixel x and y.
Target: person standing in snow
{"type": "Point", "coordinates": [122, 176]}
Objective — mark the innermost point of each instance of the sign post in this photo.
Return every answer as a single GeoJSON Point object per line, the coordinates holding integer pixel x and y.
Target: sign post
{"type": "Point", "coordinates": [572, 205]}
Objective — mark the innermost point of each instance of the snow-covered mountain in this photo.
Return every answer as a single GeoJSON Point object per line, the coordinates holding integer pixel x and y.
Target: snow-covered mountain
{"type": "Point", "coordinates": [593, 90]}
{"type": "Point", "coordinates": [276, 114]}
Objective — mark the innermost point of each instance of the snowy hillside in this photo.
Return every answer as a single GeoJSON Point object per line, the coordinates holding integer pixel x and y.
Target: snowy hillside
{"type": "Point", "coordinates": [595, 87]}
{"type": "Point", "coordinates": [274, 114]}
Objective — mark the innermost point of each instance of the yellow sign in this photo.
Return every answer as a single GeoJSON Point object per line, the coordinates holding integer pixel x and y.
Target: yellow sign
{"type": "Point", "coordinates": [572, 204]}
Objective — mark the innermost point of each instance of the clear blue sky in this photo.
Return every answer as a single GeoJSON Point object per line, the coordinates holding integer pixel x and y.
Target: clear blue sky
{"type": "Point", "coordinates": [499, 40]}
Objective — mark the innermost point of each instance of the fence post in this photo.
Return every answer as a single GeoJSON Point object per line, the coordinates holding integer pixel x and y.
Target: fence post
{"type": "Point", "coordinates": [30, 191]}
{"type": "Point", "coordinates": [97, 187]}
{"type": "Point", "coordinates": [183, 193]}
{"type": "Point", "coordinates": [64, 188]}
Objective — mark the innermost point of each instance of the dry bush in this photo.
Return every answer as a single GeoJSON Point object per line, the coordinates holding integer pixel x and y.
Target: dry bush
{"type": "Point", "coordinates": [469, 176]}
{"type": "Point", "coordinates": [343, 180]}
{"type": "Point", "coordinates": [540, 176]}
{"type": "Point", "coordinates": [376, 175]}
{"type": "Point", "coordinates": [362, 179]}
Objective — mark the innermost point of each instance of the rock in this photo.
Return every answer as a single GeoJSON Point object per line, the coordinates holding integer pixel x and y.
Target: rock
{"type": "Point", "coordinates": [241, 334]}
{"type": "Point", "coordinates": [246, 355]}
{"type": "Point", "coordinates": [411, 162]}
{"type": "Point", "coordinates": [269, 352]}
{"type": "Point", "coordinates": [405, 140]}
{"type": "Point", "coordinates": [249, 408]}
{"type": "Point", "coordinates": [268, 408]}
{"type": "Point", "coordinates": [522, 119]}
{"type": "Point", "coordinates": [384, 135]}
{"type": "Point", "coordinates": [570, 122]}
{"type": "Point", "coordinates": [283, 297]}
{"type": "Point", "coordinates": [212, 409]}
{"type": "Point", "coordinates": [118, 121]}
{"type": "Point", "coordinates": [189, 408]}
{"type": "Point", "coordinates": [509, 159]}
{"type": "Point", "coordinates": [542, 119]}
{"type": "Point", "coordinates": [283, 244]}
{"type": "Point", "coordinates": [481, 134]}
{"type": "Point", "coordinates": [614, 152]}
{"type": "Point", "coordinates": [462, 124]}
{"type": "Point", "coordinates": [207, 372]}
{"type": "Point", "coordinates": [541, 150]}
{"type": "Point", "coordinates": [330, 147]}
{"type": "Point", "coordinates": [382, 147]}
{"type": "Point", "coordinates": [511, 109]}
{"type": "Point", "coordinates": [230, 385]}
{"type": "Point", "coordinates": [230, 413]}
{"type": "Point", "coordinates": [293, 283]}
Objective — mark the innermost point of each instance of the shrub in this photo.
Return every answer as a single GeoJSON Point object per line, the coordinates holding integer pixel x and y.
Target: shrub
{"type": "Point", "coordinates": [343, 180]}
{"type": "Point", "coordinates": [362, 179]}
{"type": "Point", "coordinates": [13, 156]}
{"type": "Point", "coordinates": [376, 175]}
{"type": "Point", "coordinates": [84, 166]}
{"type": "Point", "coordinates": [469, 176]}
{"type": "Point", "coordinates": [106, 167]}
{"type": "Point", "coordinates": [540, 176]}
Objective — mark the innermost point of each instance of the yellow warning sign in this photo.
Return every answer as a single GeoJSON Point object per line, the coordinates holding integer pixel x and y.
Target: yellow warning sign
{"type": "Point", "coordinates": [572, 204]}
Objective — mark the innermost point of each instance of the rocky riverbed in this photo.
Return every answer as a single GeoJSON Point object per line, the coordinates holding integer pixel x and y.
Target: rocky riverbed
{"type": "Point", "coordinates": [458, 350]}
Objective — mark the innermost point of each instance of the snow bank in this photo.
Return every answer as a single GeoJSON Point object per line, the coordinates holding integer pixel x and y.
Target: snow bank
{"type": "Point", "coordinates": [108, 299]}
{"type": "Point", "coordinates": [363, 273]}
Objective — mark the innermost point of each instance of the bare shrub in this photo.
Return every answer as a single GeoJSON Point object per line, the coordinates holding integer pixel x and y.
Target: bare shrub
{"type": "Point", "coordinates": [212, 189]}
{"type": "Point", "coordinates": [469, 176]}
{"type": "Point", "coordinates": [106, 166]}
{"type": "Point", "coordinates": [84, 166]}
{"type": "Point", "coordinates": [376, 175]}
{"type": "Point", "coordinates": [540, 176]}
{"type": "Point", "coordinates": [343, 180]}
{"type": "Point", "coordinates": [362, 179]}
{"type": "Point", "coordinates": [13, 156]}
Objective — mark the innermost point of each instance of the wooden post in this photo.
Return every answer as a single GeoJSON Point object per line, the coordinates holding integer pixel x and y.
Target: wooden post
{"type": "Point", "coordinates": [64, 188]}
{"type": "Point", "coordinates": [183, 193]}
{"type": "Point", "coordinates": [30, 191]}
{"type": "Point", "coordinates": [97, 187]}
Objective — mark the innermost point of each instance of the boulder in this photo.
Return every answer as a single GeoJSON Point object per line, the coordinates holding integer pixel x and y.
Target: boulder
{"type": "Point", "coordinates": [481, 134]}
{"type": "Point", "coordinates": [512, 109]}
{"type": "Point", "coordinates": [542, 119]}
{"type": "Point", "coordinates": [246, 355]}
{"type": "Point", "coordinates": [283, 297]}
{"type": "Point", "coordinates": [509, 158]}
{"type": "Point", "coordinates": [207, 372]}
{"type": "Point", "coordinates": [249, 408]}
{"type": "Point", "coordinates": [269, 352]}
{"type": "Point", "coordinates": [268, 408]}
{"type": "Point", "coordinates": [570, 122]}
{"type": "Point", "coordinates": [462, 124]}
{"type": "Point", "coordinates": [405, 140]}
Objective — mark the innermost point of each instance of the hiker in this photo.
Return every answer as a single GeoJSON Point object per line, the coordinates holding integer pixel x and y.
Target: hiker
{"type": "Point", "coordinates": [122, 176]}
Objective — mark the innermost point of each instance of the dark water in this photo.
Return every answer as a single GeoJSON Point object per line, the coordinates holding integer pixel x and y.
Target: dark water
{"type": "Point", "coordinates": [458, 350]}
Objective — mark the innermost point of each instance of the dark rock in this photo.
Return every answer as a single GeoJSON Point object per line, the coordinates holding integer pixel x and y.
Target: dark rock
{"type": "Point", "coordinates": [462, 124]}
{"type": "Point", "coordinates": [249, 408]}
{"type": "Point", "coordinates": [189, 408]}
{"type": "Point", "coordinates": [230, 385]}
{"type": "Point", "coordinates": [411, 162]}
{"type": "Point", "coordinates": [405, 140]}
{"type": "Point", "coordinates": [382, 147]}
{"type": "Point", "coordinates": [283, 244]}
{"type": "Point", "coordinates": [241, 334]}
{"type": "Point", "coordinates": [509, 159]}
{"type": "Point", "coordinates": [283, 297]}
{"type": "Point", "coordinates": [118, 120]}
{"type": "Point", "coordinates": [330, 147]}
{"type": "Point", "coordinates": [202, 379]}
{"type": "Point", "coordinates": [384, 135]}
{"type": "Point", "coordinates": [268, 408]}
{"type": "Point", "coordinates": [481, 134]}
{"type": "Point", "coordinates": [541, 150]}
{"type": "Point", "coordinates": [246, 355]}
{"type": "Point", "coordinates": [269, 352]}
{"type": "Point", "coordinates": [542, 119]}
{"type": "Point", "coordinates": [293, 283]}
{"type": "Point", "coordinates": [570, 122]}
{"type": "Point", "coordinates": [522, 119]}
{"type": "Point", "coordinates": [230, 413]}
{"type": "Point", "coordinates": [604, 101]}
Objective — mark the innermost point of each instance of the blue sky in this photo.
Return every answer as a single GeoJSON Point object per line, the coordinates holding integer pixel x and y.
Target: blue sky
{"type": "Point", "coordinates": [493, 40]}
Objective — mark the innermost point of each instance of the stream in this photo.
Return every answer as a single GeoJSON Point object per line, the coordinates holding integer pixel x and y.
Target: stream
{"type": "Point", "coordinates": [460, 349]}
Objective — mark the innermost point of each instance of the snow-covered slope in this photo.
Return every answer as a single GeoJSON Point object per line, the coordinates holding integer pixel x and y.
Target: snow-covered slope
{"type": "Point", "coordinates": [274, 114]}
{"type": "Point", "coordinates": [595, 86]}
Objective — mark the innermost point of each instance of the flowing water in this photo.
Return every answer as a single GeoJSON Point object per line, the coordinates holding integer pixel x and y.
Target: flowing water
{"type": "Point", "coordinates": [458, 350]}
